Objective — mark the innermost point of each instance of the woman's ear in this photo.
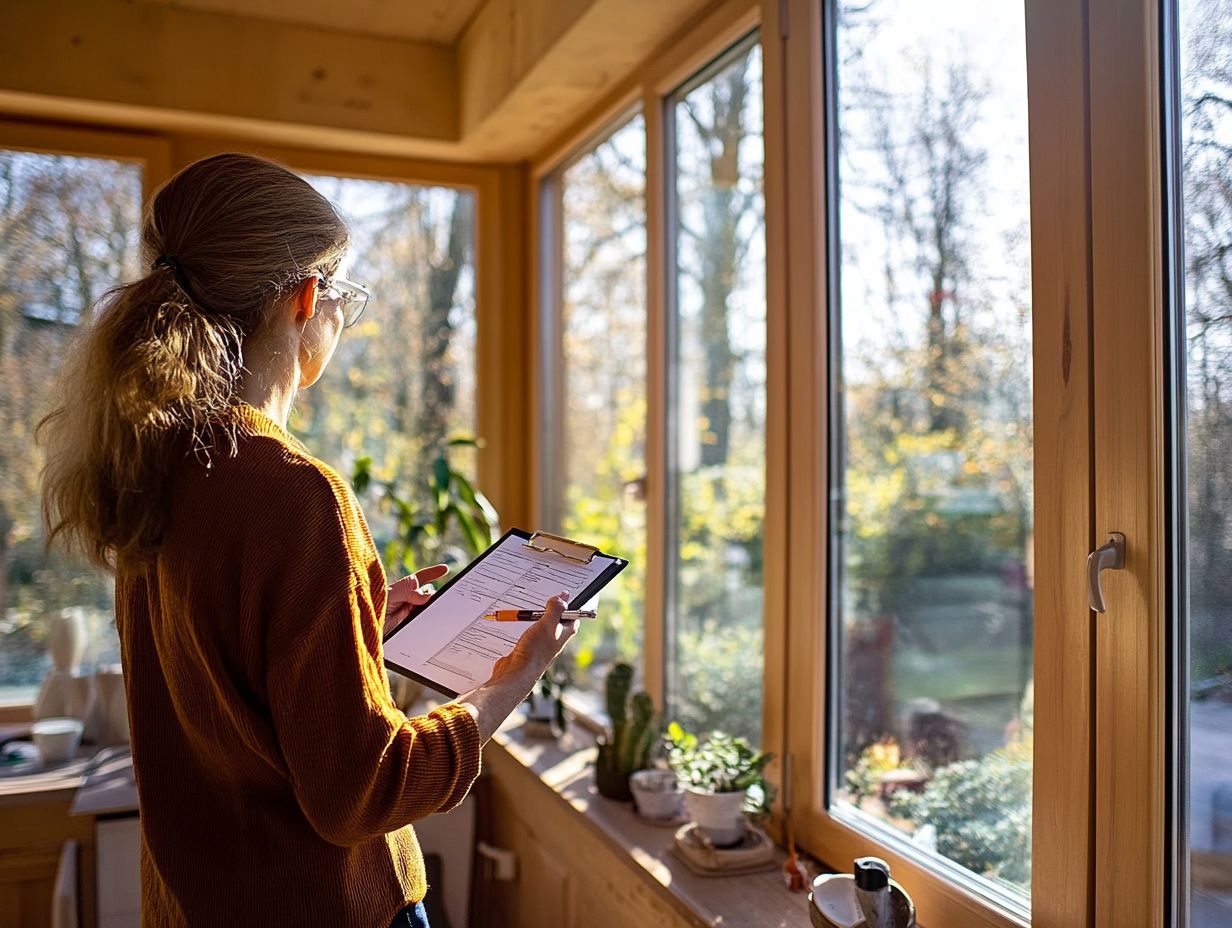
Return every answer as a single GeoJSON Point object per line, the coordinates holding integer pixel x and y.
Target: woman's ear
{"type": "Point", "coordinates": [305, 299]}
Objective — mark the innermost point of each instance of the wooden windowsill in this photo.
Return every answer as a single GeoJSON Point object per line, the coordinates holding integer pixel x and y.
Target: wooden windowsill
{"type": "Point", "coordinates": [566, 769]}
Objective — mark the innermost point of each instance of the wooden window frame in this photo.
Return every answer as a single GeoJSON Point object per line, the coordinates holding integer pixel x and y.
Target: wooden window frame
{"type": "Point", "coordinates": [1064, 833]}
{"type": "Point", "coordinates": [1136, 880]}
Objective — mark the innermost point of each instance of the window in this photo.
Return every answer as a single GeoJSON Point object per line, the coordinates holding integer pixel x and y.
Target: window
{"type": "Point", "coordinates": [596, 488]}
{"type": "Point", "coordinates": [402, 384]}
{"type": "Point", "coordinates": [68, 231]}
{"type": "Point", "coordinates": [931, 458]}
{"type": "Point", "coordinates": [1206, 139]}
{"type": "Point", "coordinates": [717, 398]}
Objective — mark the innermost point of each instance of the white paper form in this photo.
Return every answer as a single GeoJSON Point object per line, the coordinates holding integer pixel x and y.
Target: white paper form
{"type": "Point", "coordinates": [450, 643]}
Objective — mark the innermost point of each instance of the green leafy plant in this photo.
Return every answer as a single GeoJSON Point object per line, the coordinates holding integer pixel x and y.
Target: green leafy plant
{"type": "Point", "coordinates": [421, 531]}
{"type": "Point", "coordinates": [875, 762]}
{"type": "Point", "coordinates": [634, 729]}
{"type": "Point", "coordinates": [721, 764]}
{"type": "Point", "coordinates": [981, 810]}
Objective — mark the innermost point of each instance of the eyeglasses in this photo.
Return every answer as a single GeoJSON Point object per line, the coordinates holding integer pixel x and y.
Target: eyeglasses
{"type": "Point", "coordinates": [353, 297]}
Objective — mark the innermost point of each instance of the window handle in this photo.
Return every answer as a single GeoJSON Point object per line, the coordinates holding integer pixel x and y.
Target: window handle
{"type": "Point", "coordinates": [1108, 556]}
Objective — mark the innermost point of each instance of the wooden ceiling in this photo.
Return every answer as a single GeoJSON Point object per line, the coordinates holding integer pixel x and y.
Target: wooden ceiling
{"type": "Point", "coordinates": [494, 81]}
{"type": "Point", "coordinates": [439, 22]}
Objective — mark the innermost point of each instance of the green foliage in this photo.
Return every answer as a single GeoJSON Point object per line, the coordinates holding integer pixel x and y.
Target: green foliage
{"type": "Point", "coordinates": [863, 779]}
{"type": "Point", "coordinates": [981, 810]}
{"type": "Point", "coordinates": [718, 673]}
{"type": "Point", "coordinates": [720, 764]}
{"type": "Point", "coordinates": [421, 533]}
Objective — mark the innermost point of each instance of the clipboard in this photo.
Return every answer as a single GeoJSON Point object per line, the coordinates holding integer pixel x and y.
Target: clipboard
{"type": "Point", "coordinates": [446, 644]}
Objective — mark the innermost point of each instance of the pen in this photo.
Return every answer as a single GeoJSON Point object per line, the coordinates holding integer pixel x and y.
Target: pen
{"type": "Point", "coordinates": [532, 615]}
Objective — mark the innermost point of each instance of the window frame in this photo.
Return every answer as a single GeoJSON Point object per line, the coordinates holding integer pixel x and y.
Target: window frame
{"type": "Point", "coordinates": [1062, 852]}
{"type": "Point", "coordinates": [796, 46]}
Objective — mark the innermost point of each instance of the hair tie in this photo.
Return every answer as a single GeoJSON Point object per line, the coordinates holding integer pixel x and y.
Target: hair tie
{"type": "Point", "coordinates": [181, 281]}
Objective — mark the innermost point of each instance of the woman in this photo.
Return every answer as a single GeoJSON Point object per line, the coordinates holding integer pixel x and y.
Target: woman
{"type": "Point", "coordinates": [277, 779]}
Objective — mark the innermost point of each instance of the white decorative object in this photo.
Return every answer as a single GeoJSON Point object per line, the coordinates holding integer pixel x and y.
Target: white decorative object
{"type": "Point", "coordinates": [107, 723]}
{"type": "Point", "coordinates": [57, 740]}
{"type": "Point", "coordinates": [720, 816]}
{"type": "Point", "coordinates": [656, 793]}
{"type": "Point", "coordinates": [65, 692]}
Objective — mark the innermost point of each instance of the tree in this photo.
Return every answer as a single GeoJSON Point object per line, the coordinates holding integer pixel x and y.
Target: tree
{"type": "Point", "coordinates": [1207, 180]}
{"type": "Point", "coordinates": [718, 113]}
{"type": "Point", "coordinates": [68, 231]}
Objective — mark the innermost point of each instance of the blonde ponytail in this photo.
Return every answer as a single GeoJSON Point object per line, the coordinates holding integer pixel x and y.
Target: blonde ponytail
{"type": "Point", "coordinates": [156, 371]}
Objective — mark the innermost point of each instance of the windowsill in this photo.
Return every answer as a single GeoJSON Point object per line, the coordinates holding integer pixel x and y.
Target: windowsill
{"type": "Point", "coordinates": [565, 767]}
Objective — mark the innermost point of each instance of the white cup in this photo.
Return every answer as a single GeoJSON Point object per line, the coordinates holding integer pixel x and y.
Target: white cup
{"type": "Point", "coordinates": [57, 739]}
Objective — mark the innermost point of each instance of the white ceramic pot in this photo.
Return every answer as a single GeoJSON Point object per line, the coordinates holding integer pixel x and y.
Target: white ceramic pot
{"type": "Point", "coordinates": [57, 740]}
{"type": "Point", "coordinates": [720, 816]}
{"type": "Point", "coordinates": [657, 794]}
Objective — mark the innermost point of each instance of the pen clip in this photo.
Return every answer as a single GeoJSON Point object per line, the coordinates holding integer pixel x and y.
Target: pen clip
{"type": "Point", "coordinates": [562, 547]}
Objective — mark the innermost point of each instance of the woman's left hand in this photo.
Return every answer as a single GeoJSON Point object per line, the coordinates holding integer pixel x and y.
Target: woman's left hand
{"type": "Point", "coordinates": [408, 592]}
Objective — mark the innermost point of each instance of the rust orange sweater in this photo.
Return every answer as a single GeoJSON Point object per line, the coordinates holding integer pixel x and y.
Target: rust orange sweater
{"type": "Point", "coordinates": [277, 780]}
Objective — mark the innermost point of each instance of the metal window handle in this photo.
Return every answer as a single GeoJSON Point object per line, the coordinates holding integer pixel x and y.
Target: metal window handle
{"type": "Point", "coordinates": [1109, 556]}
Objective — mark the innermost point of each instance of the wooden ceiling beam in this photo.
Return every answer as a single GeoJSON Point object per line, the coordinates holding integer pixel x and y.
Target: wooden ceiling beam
{"type": "Point", "coordinates": [522, 72]}
{"type": "Point", "coordinates": [156, 64]}
{"type": "Point", "coordinates": [528, 68]}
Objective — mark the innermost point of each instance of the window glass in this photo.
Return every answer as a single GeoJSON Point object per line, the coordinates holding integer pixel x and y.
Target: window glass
{"type": "Point", "coordinates": [69, 231]}
{"type": "Point", "coordinates": [1206, 142]}
{"type": "Point", "coordinates": [602, 386]}
{"type": "Point", "coordinates": [401, 386]}
{"type": "Point", "coordinates": [718, 394]}
{"type": "Point", "coordinates": [932, 518]}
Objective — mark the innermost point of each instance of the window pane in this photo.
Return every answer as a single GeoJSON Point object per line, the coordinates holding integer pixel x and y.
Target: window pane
{"type": "Point", "coordinates": [68, 232]}
{"type": "Point", "coordinates": [1206, 137]}
{"type": "Point", "coordinates": [602, 402]}
{"type": "Point", "coordinates": [933, 519]}
{"type": "Point", "coordinates": [718, 391]}
{"type": "Point", "coordinates": [402, 383]}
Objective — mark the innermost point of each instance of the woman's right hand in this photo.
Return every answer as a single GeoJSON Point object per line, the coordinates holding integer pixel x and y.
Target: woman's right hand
{"type": "Point", "coordinates": [539, 644]}
{"type": "Point", "coordinates": [515, 675]}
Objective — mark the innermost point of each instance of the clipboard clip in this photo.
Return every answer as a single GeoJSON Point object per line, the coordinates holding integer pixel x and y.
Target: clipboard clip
{"type": "Point", "coordinates": [562, 547]}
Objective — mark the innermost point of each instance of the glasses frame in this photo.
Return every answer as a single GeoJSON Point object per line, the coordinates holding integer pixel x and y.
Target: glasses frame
{"type": "Point", "coordinates": [353, 296]}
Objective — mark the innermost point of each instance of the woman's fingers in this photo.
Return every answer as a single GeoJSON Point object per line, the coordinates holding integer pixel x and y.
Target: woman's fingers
{"type": "Point", "coordinates": [427, 575]}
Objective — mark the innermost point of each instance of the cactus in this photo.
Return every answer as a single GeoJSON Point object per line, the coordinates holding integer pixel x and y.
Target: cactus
{"type": "Point", "coordinates": [630, 745]}
{"type": "Point", "coordinates": [634, 730]}
{"type": "Point", "coordinates": [616, 689]}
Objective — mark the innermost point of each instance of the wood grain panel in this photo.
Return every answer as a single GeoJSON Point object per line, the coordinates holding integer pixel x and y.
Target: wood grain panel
{"type": "Point", "coordinates": [1061, 309]}
{"type": "Point", "coordinates": [1127, 281]}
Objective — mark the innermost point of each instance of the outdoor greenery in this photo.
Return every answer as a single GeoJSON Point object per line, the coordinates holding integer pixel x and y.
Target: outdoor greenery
{"type": "Point", "coordinates": [935, 603]}
{"type": "Point", "coordinates": [981, 812]}
{"type": "Point", "coordinates": [422, 533]}
{"type": "Point", "coordinates": [68, 232]}
{"type": "Point", "coordinates": [598, 492]}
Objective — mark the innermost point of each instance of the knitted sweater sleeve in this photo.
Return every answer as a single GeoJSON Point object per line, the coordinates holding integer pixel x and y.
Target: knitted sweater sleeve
{"type": "Point", "coordinates": [359, 767]}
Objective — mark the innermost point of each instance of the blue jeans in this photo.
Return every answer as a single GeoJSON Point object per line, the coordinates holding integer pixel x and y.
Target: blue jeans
{"type": "Point", "coordinates": [413, 916]}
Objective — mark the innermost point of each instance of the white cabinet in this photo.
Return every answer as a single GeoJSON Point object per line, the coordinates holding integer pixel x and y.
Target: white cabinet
{"type": "Point", "coordinates": [118, 849]}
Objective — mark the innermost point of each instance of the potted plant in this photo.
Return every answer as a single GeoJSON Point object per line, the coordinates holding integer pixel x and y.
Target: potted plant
{"type": "Point", "coordinates": [545, 706]}
{"type": "Point", "coordinates": [634, 727]}
{"type": "Point", "coordinates": [723, 781]}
